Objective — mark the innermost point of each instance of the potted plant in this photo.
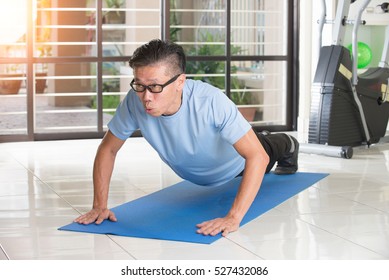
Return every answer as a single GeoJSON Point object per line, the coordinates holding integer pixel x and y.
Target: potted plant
{"type": "Point", "coordinates": [114, 17]}
{"type": "Point", "coordinates": [10, 83]}
{"type": "Point", "coordinates": [242, 98]}
{"type": "Point", "coordinates": [11, 80]}
{"type": "Point", "coordinates": [239, 94]}
{"type": "Point", "coordinates": [207, 66]}
{"type": "Point", "coordinates": [41, 70]}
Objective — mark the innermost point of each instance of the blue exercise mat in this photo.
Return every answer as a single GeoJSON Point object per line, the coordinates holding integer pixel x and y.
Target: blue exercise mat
{"type": "Point", "coordinates": [173, 212]}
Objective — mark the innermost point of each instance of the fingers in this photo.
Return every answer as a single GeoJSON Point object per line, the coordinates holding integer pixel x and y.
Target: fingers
{"type": "Point", "coordinates": [106, 214]}
{"type": "Point", "coordinates": [87, 218]}
{"type": "Point", "coordinates": [210, 228]}
{"type": "Point", "coordinates": [216, 226]}
{"type": "Point", "coordinates": [99, 219]}
{"type": "Point", "coordinates": [97, 216]}
{"type": "Point", "coordinates": [225, 232]}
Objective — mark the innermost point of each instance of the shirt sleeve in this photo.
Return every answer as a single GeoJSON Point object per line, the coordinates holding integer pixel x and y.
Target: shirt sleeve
{"type": "Point", "coordinates": [123, 124]}
{"type": "Point", "coordinates": [230, 122]}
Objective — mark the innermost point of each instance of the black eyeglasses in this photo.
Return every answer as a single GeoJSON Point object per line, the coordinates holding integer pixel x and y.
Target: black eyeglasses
{"type": "Point", "coordinates": [152, 88]}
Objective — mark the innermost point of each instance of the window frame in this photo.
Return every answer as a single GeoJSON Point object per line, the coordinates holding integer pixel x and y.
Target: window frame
{"type": "Point", "coordinates": [291, 58]}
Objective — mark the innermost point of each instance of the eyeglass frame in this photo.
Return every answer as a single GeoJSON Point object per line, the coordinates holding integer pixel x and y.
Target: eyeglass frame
{"type": "Point", "coordinates": [149, 86]}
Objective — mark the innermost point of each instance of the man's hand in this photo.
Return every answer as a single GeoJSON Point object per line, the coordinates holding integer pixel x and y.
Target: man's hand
{"type": "Point", "coordinates": [97, 216]}
{"type": "Point", "coordinates": [257, 160]}
{"type": "Point", "coordinates": [219, 225]}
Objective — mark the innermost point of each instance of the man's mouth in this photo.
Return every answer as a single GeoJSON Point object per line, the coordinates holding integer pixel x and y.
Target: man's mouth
{"type": "Point", "coordinates": [148, 109]}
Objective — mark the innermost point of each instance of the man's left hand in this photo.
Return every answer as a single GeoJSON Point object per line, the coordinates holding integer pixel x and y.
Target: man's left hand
{"type": "Point", "coordinates": [219, 225]}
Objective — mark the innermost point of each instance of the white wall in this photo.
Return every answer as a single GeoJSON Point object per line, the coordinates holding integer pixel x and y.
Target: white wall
{"type": "Point", "coordinates": [309, 48]}
{"type": "Point", "coordinates": [305, 61]}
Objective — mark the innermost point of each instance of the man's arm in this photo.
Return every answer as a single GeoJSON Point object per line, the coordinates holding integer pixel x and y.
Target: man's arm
{"type": "Point", "coordinates": [102, 171]}
{"type": "Point", "coordinates": [257, 160]}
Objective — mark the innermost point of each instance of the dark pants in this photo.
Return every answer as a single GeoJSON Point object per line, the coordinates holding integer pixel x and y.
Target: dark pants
{"type": "Point", "coordinates": [276, 146]}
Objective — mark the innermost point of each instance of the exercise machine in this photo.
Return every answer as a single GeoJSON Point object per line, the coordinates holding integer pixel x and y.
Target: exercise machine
{"type": "Point", "coordinates": [347, 109]}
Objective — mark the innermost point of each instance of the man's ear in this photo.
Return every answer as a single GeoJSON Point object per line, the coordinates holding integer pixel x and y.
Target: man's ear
{"type": "Point", "coordinates": [181, 81]}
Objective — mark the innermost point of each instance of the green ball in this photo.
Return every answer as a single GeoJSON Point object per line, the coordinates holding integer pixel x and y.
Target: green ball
{"type": "Point", "coordinates": [364, 54]}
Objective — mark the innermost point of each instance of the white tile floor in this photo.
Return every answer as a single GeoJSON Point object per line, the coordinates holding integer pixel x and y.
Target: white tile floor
{"type": "Point", "coordinates": [45, 185]}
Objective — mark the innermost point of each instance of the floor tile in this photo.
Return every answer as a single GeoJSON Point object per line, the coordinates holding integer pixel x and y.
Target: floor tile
{"type": "Point", "coordinates": [35, 244]}
{"type": "Point", "coordinates": [314, 200]}
{"type": "Point", "coordinates": [350, 222]}
{"type": "Point", "coordinates": [45, 185]}
{"type": "Point", "coordinates": [168, 250]}
{"type": "Point", "coordinates": [314, 247]}
{"type": "Point", "coordinates": [3, 256]}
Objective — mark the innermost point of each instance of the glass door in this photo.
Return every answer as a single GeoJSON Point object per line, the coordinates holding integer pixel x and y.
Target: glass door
{"type": "Point", "coordinates": [64, 70]}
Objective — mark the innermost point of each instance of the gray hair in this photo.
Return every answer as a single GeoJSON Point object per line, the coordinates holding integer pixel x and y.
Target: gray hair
{"type": "Point", "coordinates": [157, 51]}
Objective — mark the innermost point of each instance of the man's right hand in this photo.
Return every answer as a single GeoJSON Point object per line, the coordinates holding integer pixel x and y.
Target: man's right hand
{"type": "Point", "coordinates": [97, 216]}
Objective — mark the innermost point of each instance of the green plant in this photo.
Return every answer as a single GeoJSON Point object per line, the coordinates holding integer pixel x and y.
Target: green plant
{"type": "Point", "coordinates": [206, 67]}
{"type": "Point", "coordinates": [173, 31]}
{"type": "Point", "coordinates": [109, 102]}
{"type": "Point", "coordinates": [203, 68]}
{"type": "Point", "coordinates": [114, 3]}
{"type": "Point", "coordinates": [240, 97]}
{"type": "Point", "coordinates": [14, 68]}
{"type": "Point", "coordinates": [114, 16]}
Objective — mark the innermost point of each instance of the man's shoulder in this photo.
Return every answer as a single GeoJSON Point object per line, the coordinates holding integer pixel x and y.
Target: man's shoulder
{"type": "Point", "coordinates": [200, 89]}
{"type": "Point", "coordinates": [191, 84]}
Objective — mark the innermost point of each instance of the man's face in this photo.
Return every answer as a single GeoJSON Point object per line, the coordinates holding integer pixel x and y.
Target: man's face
{"type": "Point", "coordinates": [167, 102]}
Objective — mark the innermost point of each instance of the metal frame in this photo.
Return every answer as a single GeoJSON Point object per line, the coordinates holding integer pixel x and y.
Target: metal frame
{"type": "Point", "coordinates": [291, 58]}
{"type": "Point", "coordinates": [385, 53]}
{"type": "Point", "coordinates": [30, 60]}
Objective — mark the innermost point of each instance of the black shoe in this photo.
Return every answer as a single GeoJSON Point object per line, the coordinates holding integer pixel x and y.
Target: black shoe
{"type": "Point", "coordinates": [288, 164]}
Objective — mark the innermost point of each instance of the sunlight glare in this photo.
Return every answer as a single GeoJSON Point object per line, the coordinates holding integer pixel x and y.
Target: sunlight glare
{"type": "Point", "coordinates": [13, 20]}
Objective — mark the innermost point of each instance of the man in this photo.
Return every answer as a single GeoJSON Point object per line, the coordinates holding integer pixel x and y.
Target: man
{"type": "Point", "coordinates": [195, 129]}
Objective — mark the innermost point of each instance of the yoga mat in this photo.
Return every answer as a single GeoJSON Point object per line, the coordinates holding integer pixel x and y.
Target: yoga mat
{"type": "Point", "coordinates": [173, 212]}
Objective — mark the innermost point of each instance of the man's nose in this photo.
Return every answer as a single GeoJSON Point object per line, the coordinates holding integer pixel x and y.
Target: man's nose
{"type": "Point", "coordinates": [147, 94]}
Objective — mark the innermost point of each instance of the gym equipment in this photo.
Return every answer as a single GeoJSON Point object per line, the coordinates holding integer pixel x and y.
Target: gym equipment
{"type": "Point", "coordinates": [333, 151]}
{"type": "Point", "coordinates": [364, 54]}
{"type": "Point", "coordinates": [347, 110]}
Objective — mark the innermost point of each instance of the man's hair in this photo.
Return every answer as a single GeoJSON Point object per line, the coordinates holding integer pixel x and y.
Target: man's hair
{"type": "Point", "coordinates": [157, 51]}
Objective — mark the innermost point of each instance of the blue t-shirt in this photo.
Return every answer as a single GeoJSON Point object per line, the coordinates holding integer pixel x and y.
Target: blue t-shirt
{"type": "Point", "coordinates": [196, 142]}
